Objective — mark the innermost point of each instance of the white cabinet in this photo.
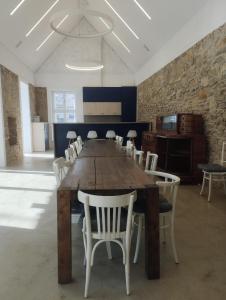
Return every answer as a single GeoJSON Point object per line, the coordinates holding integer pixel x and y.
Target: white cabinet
{"type": "Point", "coordinates": [40, 136]}
{"type": "Point", "coordinates": [102, 108]}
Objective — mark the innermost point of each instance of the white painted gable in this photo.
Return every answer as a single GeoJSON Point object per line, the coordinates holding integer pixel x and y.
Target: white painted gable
{"type": "Point", "coordinates": [74, 51]}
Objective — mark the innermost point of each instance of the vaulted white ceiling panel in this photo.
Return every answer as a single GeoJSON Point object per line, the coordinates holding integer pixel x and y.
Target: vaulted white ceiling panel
{"type": "Point", "coordinates": [167, 18]}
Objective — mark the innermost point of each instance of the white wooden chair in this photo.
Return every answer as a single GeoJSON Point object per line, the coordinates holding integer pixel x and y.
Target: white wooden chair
{"type": "Point", "coordinates": [107, 227]}
{"type": "Point", "coordinates": [70, 154]}
{"type": "Point", "coordinates": [60, 168]}
{"type": "Point", "coordinates": [129, 148]}
{"type": "Point", "coordinates": [80, 141]}
{"type": "Point", "coordinates": [120, 140]}
{"type": "Point", "coordinates": [167, 207]}
{"type": "Point", "coordinates": [92, 134]}
{"type": "Point", "coordinates": [74, 148]}
{"type": "Point", "coordinates": [214, 172]}
{"type": "Point", "coordinates": [77, 147]}
{"type": "Point", "coordinates": [151, 161]}
{"type": "Point", "coordinates": [138, 156]}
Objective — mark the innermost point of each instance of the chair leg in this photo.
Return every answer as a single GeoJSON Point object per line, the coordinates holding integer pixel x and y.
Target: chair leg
{"type": "Point", "coordinates": [108, 247]}
{"type": "Point", "coordinates": [127, 270]}
{"type": "Point", "coordinates": [224, 182]}
{"type": "Point", "coordinates": [203, 183]}
{"type": "Point", "coordinates": [139, 231]}
{"type": "Point", "coordinates": [164, 229]}
{"type": "Point", "coordinates": [88, 270]}
{"type": "Point", "coordinates": [173, 243]}
{"type": "Point", "coordinates": [210, 187]}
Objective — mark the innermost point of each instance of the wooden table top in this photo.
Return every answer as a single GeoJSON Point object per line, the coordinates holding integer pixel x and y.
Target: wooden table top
{"type": "Point", "coordinates": [103, 172]}
{"type": "Point", "coordinates": [101, 148]}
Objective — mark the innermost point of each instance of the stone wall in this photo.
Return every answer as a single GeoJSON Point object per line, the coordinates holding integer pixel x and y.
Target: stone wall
{"type": "Point", "coordinates": [38, 102]}
{"type": "Point", "coordinates": [41, 103]}
{"type": "Point", "coordinates": [195, 82]}
{"type": "Point", "coordinates": [32, 101]}
{"type": "Point", "coordinates": [12, 116]}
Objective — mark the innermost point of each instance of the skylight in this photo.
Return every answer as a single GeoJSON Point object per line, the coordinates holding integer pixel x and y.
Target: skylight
{"type": "Point", "coordinates": [115, 35]}
{"type": "Point", "coordinates": [123, 21]}
{"type": "Point", "coordinates": [17, 7]}
{"type": "Point", "coordinates": [40, 20]}
{"type": "Point", "coordinates": [142, 9]}
{"type": "Point", "coordinates": [51, 33]}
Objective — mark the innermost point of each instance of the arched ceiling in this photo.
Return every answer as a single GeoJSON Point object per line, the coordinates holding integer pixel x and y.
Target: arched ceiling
{"type": "Point", "coordinates": [136, 45]}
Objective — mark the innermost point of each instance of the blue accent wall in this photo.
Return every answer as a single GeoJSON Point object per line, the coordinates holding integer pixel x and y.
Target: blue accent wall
{"type": "Point", "coordinates": [127, 95]}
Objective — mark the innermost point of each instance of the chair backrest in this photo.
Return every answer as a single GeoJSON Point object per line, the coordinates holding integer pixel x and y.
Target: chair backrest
{"type": "Point", "coordinates": [223, 154]}
{"type": "Point", "coordinates": [92, 134]}
{"type": "Point", "coordinates": [75, 151]}
{"type": "Point", "coordinates": [129, 145]}
{"type": "Point", "coordinates": [77, 147]}
{"type": "Point", "coordinates": [108, 213]}
{"type": "Point", "coordinates": [116, 138]}
{"type": "Point", "coordinates": [70, 154]}
{"type": "Point", "coordinates": [169, 185]}
{"type": "Point", "coordinates": [120, 140]}
{"type": "Point", "coordinates": [79, 140]}
{"type": "Point", "coordinates": [138, 156]}
{"type": "Point", "coordinates": [151, 161]}
{"type": "Point", "coordinates": [59, 169]}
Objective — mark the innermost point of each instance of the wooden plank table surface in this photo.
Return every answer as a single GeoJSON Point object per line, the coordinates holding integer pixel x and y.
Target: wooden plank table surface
{"type": "Point", "coordinates": [107, 174]}
{"type": "Point", "coordinates": [101, 148]}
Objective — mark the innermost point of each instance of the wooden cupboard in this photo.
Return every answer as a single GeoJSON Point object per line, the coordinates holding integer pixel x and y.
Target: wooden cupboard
{"type": "Point", "coordinates": [102, 108]}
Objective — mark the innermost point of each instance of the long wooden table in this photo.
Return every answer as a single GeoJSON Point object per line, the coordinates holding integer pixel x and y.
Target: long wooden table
{"type": "Point", "coordinates": [109, 171]}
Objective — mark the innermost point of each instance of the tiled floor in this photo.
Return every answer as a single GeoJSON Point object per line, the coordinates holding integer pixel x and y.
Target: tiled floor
{"type": "Point", "coordinates": [28, 259]}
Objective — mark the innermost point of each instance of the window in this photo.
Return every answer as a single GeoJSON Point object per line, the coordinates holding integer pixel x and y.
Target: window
{"type": "Point", "coordinates": [64, 107]}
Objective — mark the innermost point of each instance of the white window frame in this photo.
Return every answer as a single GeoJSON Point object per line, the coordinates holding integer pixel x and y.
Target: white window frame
{"type": "Point", "coordinates": [65, 111]}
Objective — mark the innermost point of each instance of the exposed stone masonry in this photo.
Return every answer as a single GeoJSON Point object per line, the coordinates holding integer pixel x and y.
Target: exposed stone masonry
{"type": "Point", "coordinates": [195, 82]}
{"type": "Point", "coordinates": [38, 102]}
{"type": "Point", "coordinates": [12, 116]}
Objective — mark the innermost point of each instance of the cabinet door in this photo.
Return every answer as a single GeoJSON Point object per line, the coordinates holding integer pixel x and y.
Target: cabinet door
{"type": "Point", "coordinates": [108, 108]}
{"type": "Point", "coordinates": [89, 108]}
{"type": "Point", "coordinates": [102, 108]}
{"type": "Point", "coordinates": [114, 108]}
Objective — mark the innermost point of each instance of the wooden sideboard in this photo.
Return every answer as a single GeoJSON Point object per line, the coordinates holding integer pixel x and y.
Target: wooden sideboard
{"type": "Point", "coordinates": [181, 150]}
{"type": "Point", "coordinates": [178, 154]}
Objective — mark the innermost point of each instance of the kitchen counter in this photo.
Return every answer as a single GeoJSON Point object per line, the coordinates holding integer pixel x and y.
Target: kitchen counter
{"type": "Point", "coordinates": [120, 128]}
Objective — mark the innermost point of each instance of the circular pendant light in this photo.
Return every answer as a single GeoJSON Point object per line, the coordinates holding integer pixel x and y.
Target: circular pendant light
{"type": "Point", "coordinates": [88, 66]}
{"type": "Point", "coordinates": [85, 13]}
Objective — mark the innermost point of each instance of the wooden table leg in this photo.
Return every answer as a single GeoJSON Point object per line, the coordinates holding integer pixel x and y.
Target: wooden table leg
{"type": "Point", "coordinates": [64, 236]}
{"type": "Point", "coordinates": [152, 246]}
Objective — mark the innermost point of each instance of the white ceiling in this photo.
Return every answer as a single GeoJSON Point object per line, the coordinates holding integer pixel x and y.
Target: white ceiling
{"type": "Point", "coordinates": [167, 18]}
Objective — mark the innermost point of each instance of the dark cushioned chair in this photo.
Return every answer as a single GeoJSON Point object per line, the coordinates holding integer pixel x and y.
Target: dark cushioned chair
{"type": "Point", "coordinates": [214, 172]}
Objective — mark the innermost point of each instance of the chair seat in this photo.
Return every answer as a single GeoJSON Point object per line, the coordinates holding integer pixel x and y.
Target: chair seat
{"type": "Point", "coordinates": [164, 206]}
{"type": "Point", "coordinates": [212, 168]}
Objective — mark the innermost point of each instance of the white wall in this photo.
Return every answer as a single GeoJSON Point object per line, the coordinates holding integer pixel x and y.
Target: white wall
{"type": "Point", "coordinates": [212, 16]}
{"type": "Point", "coordinates": [25, 117]}
{"type": "Point", "coordinates": [53, 74]}
{"type": "Point", "coordinates": [11, 62]}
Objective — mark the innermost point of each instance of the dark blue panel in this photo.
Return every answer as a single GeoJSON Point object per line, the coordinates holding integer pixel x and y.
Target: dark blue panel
{"type": "Point", "coordinates": [127, 95]}
{"type": "Point", "coordinates": [60, 132]}
{"type": "Point", "coordinates": [102, 94]}
{"type": "Point", "coordinates": [129, 104]}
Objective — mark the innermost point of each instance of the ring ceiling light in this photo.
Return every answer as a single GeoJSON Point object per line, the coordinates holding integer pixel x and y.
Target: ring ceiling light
{"type": "Point", "coordinates": [83, 12]}
{"type": "Point", "coordinates": [91, 66]}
